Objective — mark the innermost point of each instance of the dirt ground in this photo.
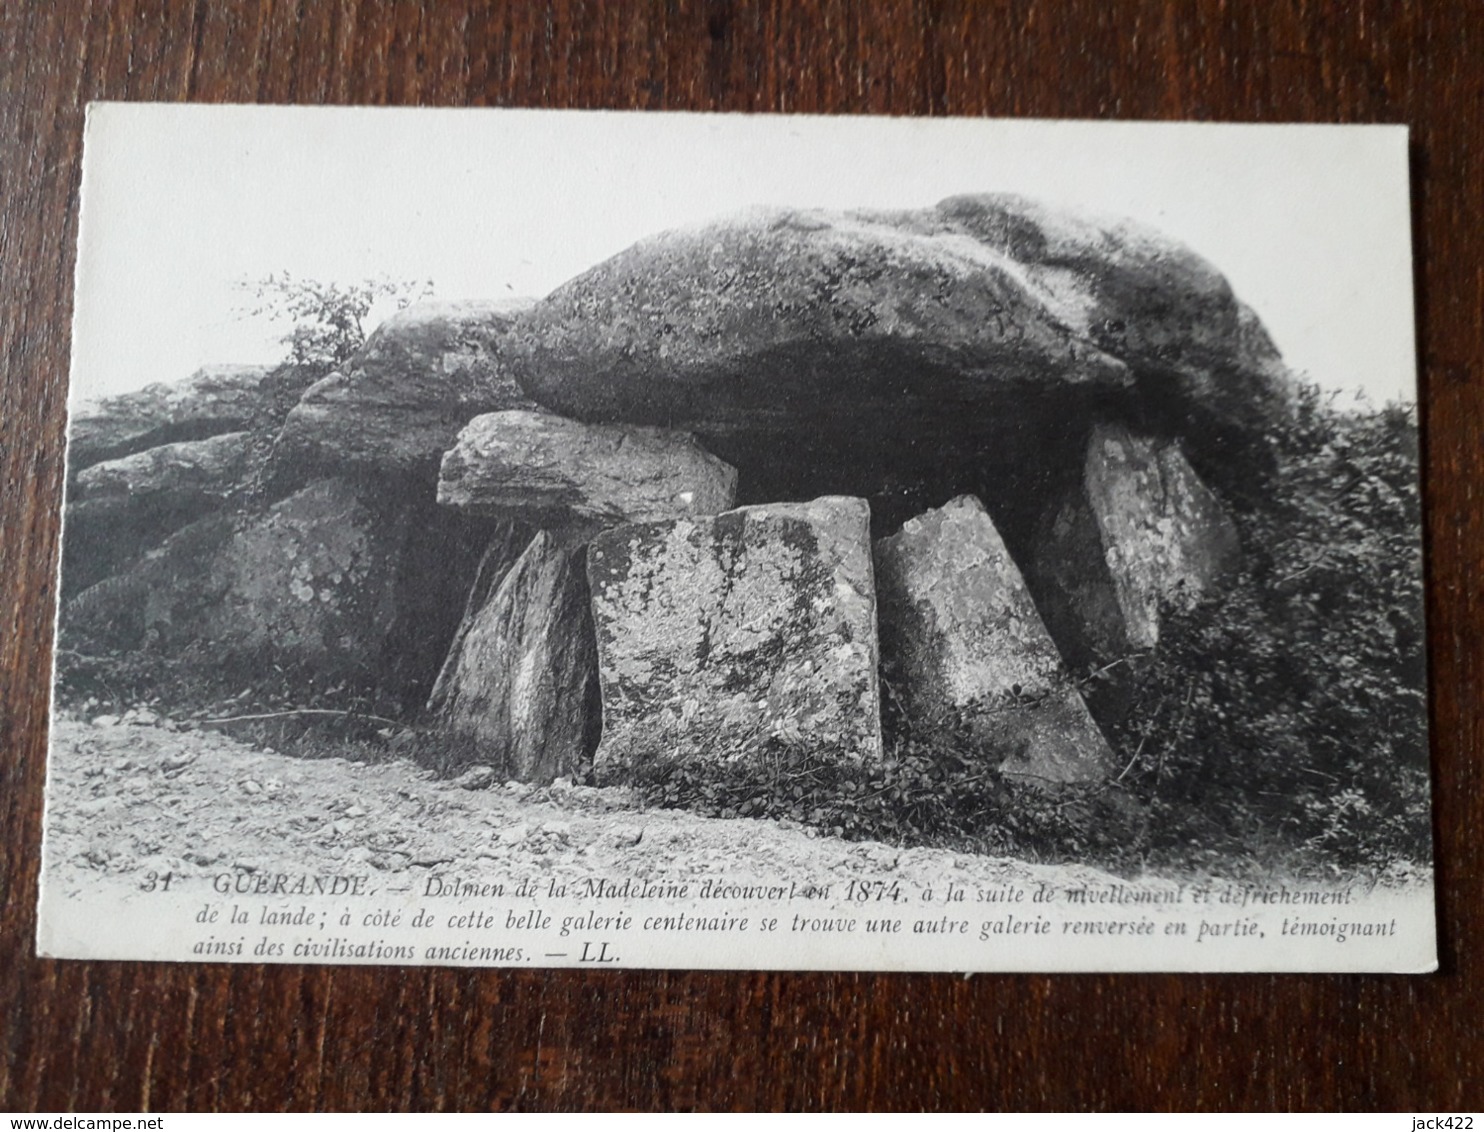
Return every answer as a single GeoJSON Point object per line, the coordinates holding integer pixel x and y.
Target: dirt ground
{"type": "Point", "coordinates": [131, 796]}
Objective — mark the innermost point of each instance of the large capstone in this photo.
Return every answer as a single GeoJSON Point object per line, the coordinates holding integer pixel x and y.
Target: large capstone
{"type": "Point", "coordinates": [545, 468]}
{"type": "Point", "coordinates": [398, 405]}
{"type": "Point", "coordinates": [214, 400]}
{"type": "Point", "coordinates": [522, 696]}
{"type": "Point", "coordinates": [121, 508]}
{"type": "Point", "coordinates": [1138, 532]}
{"type": "Point", "coordinates": [722, 638]}
{"type": "Point", "coordinates": [912, 354]}
{"type": "Point", "coordinates": [967, 655]}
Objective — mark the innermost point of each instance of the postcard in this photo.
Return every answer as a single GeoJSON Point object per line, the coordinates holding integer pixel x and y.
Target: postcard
{"type": "Point", "coordinates": [558, 539]}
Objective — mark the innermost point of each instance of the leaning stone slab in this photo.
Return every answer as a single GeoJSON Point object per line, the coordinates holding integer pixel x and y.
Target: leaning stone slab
{"type": "Point", "coordinates": [1139, 530]}
{"type": "Point", "coordinates": [544, 467]}
{"type": "Point", "coordinates": [308, 581]}
{"type": "Point", "coordinates": [523, 694]}
{"type": "Point", "coordinates": [966, 651]}
{"type": "Point", "coordinates": [507, 542]}
{"type": "Point", "coordinates": [718, 638]}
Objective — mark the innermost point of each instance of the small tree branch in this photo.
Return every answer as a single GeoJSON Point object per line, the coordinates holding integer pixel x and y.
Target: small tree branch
{"type": "Point", "coordinates": [302, 711]}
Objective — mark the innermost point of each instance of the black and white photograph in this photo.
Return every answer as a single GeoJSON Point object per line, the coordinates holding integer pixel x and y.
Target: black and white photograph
{"type": "Point", "coordinates": [593, 539]}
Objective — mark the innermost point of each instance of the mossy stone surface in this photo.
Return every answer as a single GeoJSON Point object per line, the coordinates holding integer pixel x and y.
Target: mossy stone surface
{"type": "Point", "coordinates": [965, 649]}
{"type": "Point", "coordinates": [719, 637]}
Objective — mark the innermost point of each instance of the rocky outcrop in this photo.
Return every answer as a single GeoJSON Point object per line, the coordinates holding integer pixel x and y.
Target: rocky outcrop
{"type": "Point", "coordinates": [548, 469]}
{"type": "Point", "coordinates": [522, 696]}
{"type": "Point", "coordinates": [968, 656]}
{"type": "Point", "coordinates": [120, 508]}
{"type": "Point", "coordinates": [314, 578]}
{"type": "Point", "coordinates": [190, 469]}
{"type": "Point", "coordinates": [333, 582]}
{"type": "Point", "coordinates": [720, 637]}
{"type": "Point", "coordinates": [901, 348]}
{"type": "Point", "coordinates": [1138, 530]}
{"type": "Point", "coordinates": [215, 400]}
{"type": "Point", "coordinates": [140, 606]}
{"type": "Point", "coordinates": [398, 405]}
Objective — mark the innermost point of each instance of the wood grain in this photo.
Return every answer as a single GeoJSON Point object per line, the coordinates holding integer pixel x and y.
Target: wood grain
{"type": "Point", "coordinates": [133, 1036]}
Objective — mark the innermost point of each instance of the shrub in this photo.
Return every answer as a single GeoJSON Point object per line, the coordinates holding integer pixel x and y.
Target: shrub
{"type": "Point", "coordinates": [328, 319]}
{"type": "Point", "coordinates": [1290, 710]}
{"type": "Point", "coordinates": [934, 788]}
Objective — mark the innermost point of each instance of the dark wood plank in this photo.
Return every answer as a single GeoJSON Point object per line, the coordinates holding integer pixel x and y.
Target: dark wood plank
{"type": "Point", "coordinates": [123, 1035]}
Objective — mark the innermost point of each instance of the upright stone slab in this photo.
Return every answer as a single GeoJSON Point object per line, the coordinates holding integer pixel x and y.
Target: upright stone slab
{"type": "Point", "coordinates": [966, 651]}
{"type": "Point", "coordinates": [1140, 529]}
{"type": "Point", "coordinates": [522, 696]}
{"type": "Point", "coordinates": [546, 468]}
{"type": "Point", "coordinates": [718, 638]}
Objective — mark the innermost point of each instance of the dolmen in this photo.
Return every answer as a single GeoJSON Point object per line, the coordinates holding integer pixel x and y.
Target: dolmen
{"type": "Point", "coordinates": [715, 498]}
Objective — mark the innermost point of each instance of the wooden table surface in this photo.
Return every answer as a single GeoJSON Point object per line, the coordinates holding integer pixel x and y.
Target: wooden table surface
{"type": "Point", "coordinates": [133, 1035]}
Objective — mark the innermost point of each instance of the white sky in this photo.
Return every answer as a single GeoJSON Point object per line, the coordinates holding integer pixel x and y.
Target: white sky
{"type": "Point", "coordinates": [1310, 223]}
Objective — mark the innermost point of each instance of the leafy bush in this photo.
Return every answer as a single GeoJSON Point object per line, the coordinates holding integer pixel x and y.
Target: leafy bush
{"type": "Point", "coordinates": [931, 791]}
{"type": "Point", "coordinates": [328, 319]}
{"type": "Point", "coordinates": [328, 327]}
{"type": "Point", "coordinates": [1290, 710]}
